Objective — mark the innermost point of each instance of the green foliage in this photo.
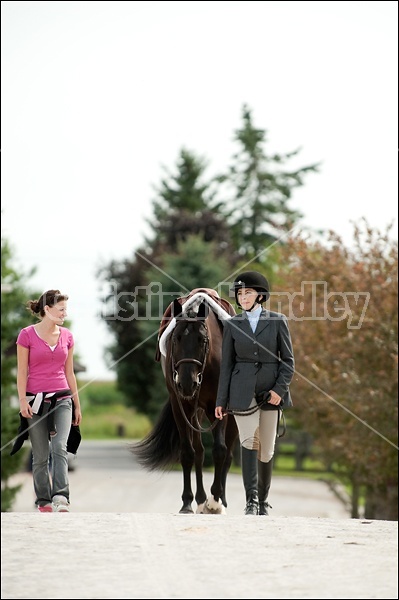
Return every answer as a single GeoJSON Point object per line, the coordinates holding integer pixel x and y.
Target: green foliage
{"type": "Point", "coordinates": [345, 388]}
{"type": "Point", "coordinates": [99, 393]}
{"type": "Point", "coordinates": [125, 306]}
{"type": "Point", "coordinates": [108, 422]}
{"type": "Point", "coordinates": [106, 414]}
{"type": "Point", "coordinates": [14, 317]}
{"type": "Point", "coordinates": [9, 464]}
{"type": "Point", "coordinates": [194, 264]}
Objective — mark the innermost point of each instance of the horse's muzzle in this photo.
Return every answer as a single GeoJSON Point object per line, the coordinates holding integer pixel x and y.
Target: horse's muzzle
{"type": "Point", "coordinates": [187, 390]}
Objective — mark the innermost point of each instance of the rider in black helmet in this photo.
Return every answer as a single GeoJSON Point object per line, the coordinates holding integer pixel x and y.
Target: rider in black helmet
{"type": "Point", "coordinates": [257, 363]}
{"type": "Point", "coordinates": [255, 281]}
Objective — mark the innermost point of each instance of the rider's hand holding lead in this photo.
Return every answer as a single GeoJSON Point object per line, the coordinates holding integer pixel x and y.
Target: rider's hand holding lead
{"type": "Point", "coordinates": [219, 412]}
{"type": "Point", "coordinates": [274, 398]}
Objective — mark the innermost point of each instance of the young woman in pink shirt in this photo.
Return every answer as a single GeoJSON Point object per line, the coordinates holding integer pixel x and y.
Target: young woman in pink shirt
{"type": "Point", "coordinates": [48, 397]}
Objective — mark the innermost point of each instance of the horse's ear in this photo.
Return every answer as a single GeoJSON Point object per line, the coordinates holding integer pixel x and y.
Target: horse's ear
{"type": "Point", "coordinates": [203, 310]}
{"type": "Point", "coordinates": [177, 308]}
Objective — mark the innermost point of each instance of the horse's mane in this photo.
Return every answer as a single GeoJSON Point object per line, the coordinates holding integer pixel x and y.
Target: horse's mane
{"type": "Point", "coordinates": [214, 298]}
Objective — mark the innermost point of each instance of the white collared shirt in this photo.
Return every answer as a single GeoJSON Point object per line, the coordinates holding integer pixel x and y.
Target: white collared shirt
{"type": "Point", "coordinates": [253, 317]}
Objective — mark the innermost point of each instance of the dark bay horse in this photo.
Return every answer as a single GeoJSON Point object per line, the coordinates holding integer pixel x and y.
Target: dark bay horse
{"type": "Point", "coordinates": [191, 369]}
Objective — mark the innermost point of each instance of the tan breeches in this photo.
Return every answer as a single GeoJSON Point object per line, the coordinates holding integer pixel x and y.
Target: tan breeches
{"type": "Point", "coordinates": [258, 431]}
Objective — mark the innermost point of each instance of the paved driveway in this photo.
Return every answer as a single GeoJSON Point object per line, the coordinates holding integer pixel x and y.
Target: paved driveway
{"type": "Point", "coordinates": [106, 478]}
{"type": "Point", "coordinates": [125, 539]}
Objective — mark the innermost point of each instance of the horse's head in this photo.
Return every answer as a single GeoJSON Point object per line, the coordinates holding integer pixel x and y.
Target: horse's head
{"type": "Point", "coordinates": [189, 349]}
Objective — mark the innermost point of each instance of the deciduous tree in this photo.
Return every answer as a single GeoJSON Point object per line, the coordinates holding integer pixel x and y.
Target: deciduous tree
{"type": "Point", "coordinates": [342, 305]}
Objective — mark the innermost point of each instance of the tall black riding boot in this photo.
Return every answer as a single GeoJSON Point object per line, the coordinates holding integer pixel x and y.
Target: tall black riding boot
{"type": "Point", "coordinates": [249, 466]}
{"type": "Point", "coordinates": [264, 480]}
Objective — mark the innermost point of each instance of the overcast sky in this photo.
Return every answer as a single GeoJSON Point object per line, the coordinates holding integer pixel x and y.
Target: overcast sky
{"type": "Point", "coordinates": [98, 96]}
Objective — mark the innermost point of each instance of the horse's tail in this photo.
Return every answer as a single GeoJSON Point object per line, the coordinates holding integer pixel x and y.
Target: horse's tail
{"type": "Point", "coordinates": [160, 449]}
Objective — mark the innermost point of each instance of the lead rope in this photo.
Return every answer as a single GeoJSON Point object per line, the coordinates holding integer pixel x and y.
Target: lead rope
{"type": "Point", "coordinates": [198, 428]}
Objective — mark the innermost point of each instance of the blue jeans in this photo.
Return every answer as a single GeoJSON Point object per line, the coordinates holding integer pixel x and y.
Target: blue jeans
{"type": "Point", "coordinates": [46, 484]}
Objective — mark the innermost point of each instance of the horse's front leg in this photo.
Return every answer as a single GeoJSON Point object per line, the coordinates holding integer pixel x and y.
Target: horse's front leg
{"type": "Point", "coordinates": [219, 453]}
{"type": "Point", "coordinates": [186, 454]}
{"type": "Point", "coordinates": [187, 461]}
{"type": "Point", "coordinates": [200, 494]}
{"type": "Point", "coordinates": [216, 502]}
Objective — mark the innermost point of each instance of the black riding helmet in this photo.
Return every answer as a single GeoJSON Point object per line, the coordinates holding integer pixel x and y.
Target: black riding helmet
{"type": "Point", "coordinates": [254, 280]}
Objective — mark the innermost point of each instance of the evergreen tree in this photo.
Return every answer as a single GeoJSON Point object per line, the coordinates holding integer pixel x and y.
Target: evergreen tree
{"type": "Point", "coordinates": [258, 191]}
{"type": "Point", "coordinates": [183, 191]}
{"type": "Point", "coordinates": [183, 207]}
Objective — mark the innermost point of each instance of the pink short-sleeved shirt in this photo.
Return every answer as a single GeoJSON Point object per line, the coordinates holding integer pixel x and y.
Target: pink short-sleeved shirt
{"type": "Point", "coordinates": [46, 367]}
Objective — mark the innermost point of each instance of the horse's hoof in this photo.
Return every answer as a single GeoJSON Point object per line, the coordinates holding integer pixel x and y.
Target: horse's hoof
{"type": "Point", "coordinates": [212, 507]}
{"type": "Point", "coordinates": [186, 511]}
